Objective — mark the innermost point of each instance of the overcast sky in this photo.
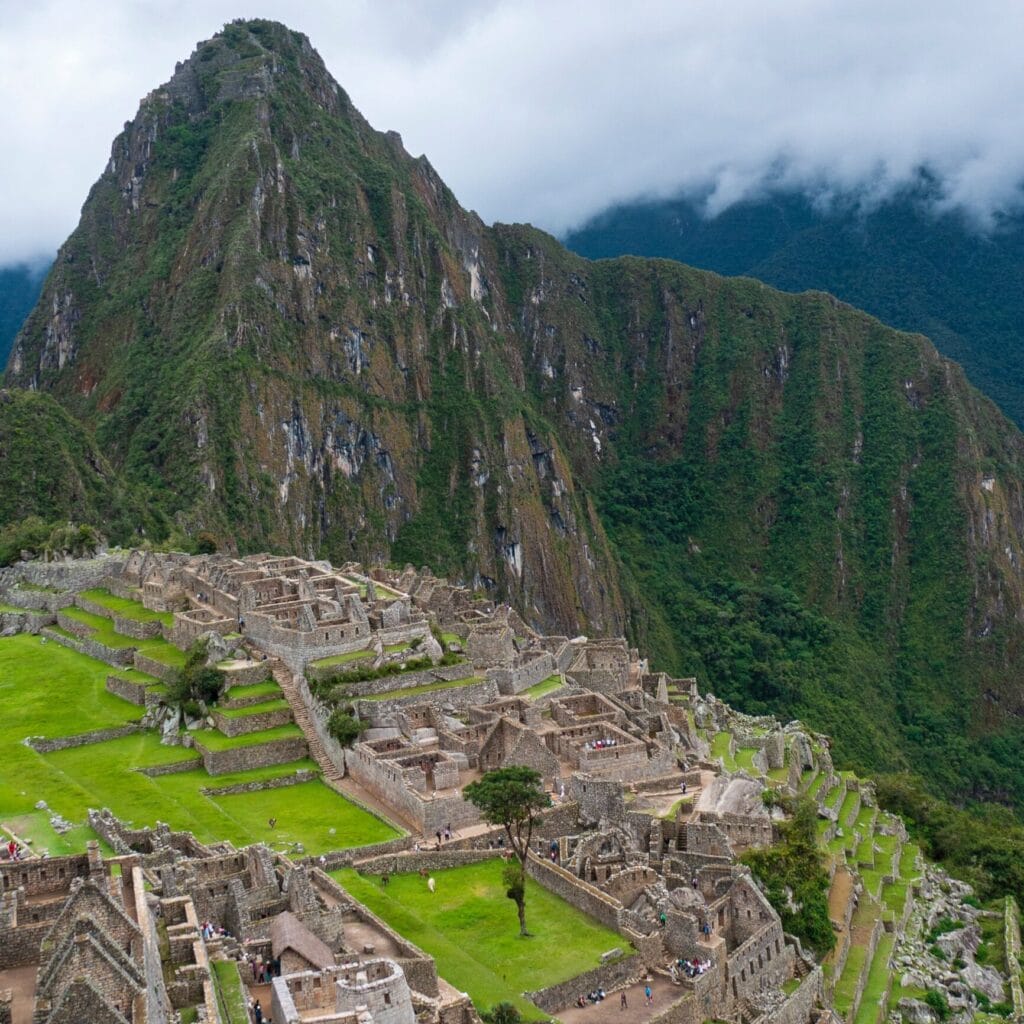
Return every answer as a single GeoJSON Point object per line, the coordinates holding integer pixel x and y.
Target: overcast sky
{"type": "Point", "coordinates": [548, 112]}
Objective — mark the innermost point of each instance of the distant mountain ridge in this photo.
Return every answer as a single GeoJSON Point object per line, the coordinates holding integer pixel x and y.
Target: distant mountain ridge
{"type": "Point", "coordinates": [277, 326]}
{"type": "Point", "coordinates": [20, 285]}
{"type": "Point", "coordinates": [905, 260]}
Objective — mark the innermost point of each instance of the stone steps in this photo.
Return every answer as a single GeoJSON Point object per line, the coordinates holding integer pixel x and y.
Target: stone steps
{"type": "Point", "coordinates": [300, 713]}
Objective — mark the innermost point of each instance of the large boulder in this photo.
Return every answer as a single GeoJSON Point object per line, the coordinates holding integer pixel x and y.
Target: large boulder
{"type": "Point", "coordinates": [914, 1011]}
{"type": "Point", "coordinates": [984, 979]}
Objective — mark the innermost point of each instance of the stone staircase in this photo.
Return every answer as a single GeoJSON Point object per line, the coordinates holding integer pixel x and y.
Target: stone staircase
{"type": "Point", "coordinates": [331, 775]}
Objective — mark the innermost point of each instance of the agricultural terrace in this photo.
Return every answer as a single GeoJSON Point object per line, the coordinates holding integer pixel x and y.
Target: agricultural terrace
{"type": "Point", "coordinates": [50, 691]}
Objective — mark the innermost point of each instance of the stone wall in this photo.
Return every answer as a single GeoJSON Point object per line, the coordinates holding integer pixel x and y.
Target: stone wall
{"type": "Point", "coordinates": [44, 746]}
{"type": "Point", "coordinates": [431, 860]}
{"type": "Point", "coordinates": [801, 1005]}
{"type": "Point", "coordinates": [241, 725]}
{"type": "Point", "coordinates": [259, 755]}
{"type": "Point", "coordinates": [259, 786]}
{"type": "Point", "coordinates": [117, 657]}
{"type": "Point", "coordinates": [73, 574]}
{"type": "Point", "coordinates": [131, 691]}
{"type": "Point", "coordinates": [152, 667]}
{"type": "Point", "coordinates": [580, 894]}
{"type": "Point", "coordinates": [610, 976]}
{"type": "Point", "coordinates": [455, 697]}
{"type": "Point", "coordinates": [514, 679]}
{"type": "Point", "coordinates": [397, 681]}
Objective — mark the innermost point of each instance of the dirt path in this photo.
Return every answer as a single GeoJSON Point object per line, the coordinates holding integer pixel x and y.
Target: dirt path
{"type": "Point", "coordinates": [609, 1011]}
{"type": "Point", "coordinates": [839, 895]}
{"type": "Point", "coordinates": [22, 983]}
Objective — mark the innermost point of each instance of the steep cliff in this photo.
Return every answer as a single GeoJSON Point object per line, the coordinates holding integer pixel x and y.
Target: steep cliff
{"type": "Point", "coordinates": [288, 331]}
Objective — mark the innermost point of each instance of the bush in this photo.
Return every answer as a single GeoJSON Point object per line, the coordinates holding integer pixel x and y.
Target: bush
{"type": "Point", "coordinates": [344, 727]}
{"type": "Point", "coordinates": [937, 1003]}
{"type": "Point", "coordinates": [501, 1013]}
{"type": "Point", "coordinates": [197, 683]}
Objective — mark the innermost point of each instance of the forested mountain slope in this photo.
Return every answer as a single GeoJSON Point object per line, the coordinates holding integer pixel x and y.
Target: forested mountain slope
{"type": "Point", "coordinates": [281, 328]}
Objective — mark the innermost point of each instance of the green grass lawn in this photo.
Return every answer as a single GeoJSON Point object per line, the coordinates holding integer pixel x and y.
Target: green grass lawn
{"type": "Point", "coordinates": [267, 689]}
{"type": "Point", "coordinates": [53, 691]}
{"type": "Point", "coordinates": [544, 687]}
{"type": "Point", "coordinates": [127, 608]}
{"type": "Point", "coordinates": [277, 704]}
{"type": "Point", "coordinates": [343, 659]}
{"type": "Point", "coordinates": [470, 927]}
{"type": "Point", "coordinates": [832, 798]}
{"type": "Point", "coordinates": [230, 994]}
{"type": "Point", "coordinates": [847, 808]}
{"type": "Point", "coordinates": [846, 986]}
{"type": "Point", "coordinates": [409, 691]}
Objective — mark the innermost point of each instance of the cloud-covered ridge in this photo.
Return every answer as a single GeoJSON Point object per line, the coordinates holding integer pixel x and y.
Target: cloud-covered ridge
{"type": "Point", "coordinates": [550, 112]}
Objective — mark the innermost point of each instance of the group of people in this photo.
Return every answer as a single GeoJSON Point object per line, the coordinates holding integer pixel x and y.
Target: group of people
{"type": "Point", "coordinates": [264, 970]}
{"type": "Point", "coordinates": [691, 968]}
{"type": "Point", "coordinates": [211, 931]}
{"type": "Point", "coordinates": [600, 744]}
{"type": "Point", "coordinates": [14, 850]}
{"type": "Point", "coordinates": [596, 996]}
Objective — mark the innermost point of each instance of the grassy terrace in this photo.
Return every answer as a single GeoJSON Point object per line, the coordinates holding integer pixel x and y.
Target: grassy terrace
{"type": "Point", "coordinates": [544, 687]}
{"type": "Point", "coordinates": [278, 704]}
{"type": "Point", "coordinates": [230, 994]}
{"type": "Point", "coordinates": [127, 608]}
{"type": "Point", "coordinates": [103, 632]}
{"type": "Point", "coordinates": [470, 927]}
{"type": "Point", "coordinates": [815, 786]}
{"type": "Point", "coordinates": [410, 691]}
{"type": "Point", "coordinates": [720, 749]}
{"type": "Point", "coordinates": [745, 758]}
{"type": "Point", "coordinates": [213, 740]}
{"type": "Point", "coordinates": [848, 804]}
{"type": "Point", "coordinates": [871, 1003]}
{"type": "Point", "coordinates": [53, 691]}
{"type": "Point", "coordinates": [351, 656]}
{"type": "Point", "coordinates": [267, 689]}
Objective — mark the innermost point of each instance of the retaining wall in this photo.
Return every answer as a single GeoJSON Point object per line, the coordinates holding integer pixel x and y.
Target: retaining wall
{"type": "Point", "coordinates": [242, 725]}
{"type": "Point", "coordinates": [44, 746]}
{"type": "Point", "coordinates": [609, 976]}
{"type": "Point", "coordinates": [165, 673]}
{"type": "Point", "coordinates": [259, 755]}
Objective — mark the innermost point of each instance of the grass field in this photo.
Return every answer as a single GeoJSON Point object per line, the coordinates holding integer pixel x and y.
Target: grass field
{"type": "Point", "coordinates": [470, 927]}
{"type": "Point", "coordinates": [230, 994]}
{"type": "Point", "coordinates": [52, 691]}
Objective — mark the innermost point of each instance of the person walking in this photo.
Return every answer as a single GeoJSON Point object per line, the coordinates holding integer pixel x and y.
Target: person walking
{"type": "Point", "coordinates": [623, 1005]}
{"type": "Point", "coordinates": [648, 994]}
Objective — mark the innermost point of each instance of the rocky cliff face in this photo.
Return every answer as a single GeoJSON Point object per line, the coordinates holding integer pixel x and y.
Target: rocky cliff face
{"type": "Point", "coordinates": [289, 333]}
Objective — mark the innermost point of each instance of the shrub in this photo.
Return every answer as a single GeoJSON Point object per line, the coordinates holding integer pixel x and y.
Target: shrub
{"type": "Point", "coordinates": [344, 727]}
{"type": "Point", "coordinates": [937, 1003]}
{"type": "Point", "coordinates": [197, 683]}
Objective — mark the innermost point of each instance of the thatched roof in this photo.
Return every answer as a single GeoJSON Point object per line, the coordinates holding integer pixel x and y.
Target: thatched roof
{"type": "Point", "coordinates": [288, 932]}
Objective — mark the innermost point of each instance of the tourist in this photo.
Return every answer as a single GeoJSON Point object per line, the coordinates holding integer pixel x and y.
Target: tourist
{"type": "Point", "coordinates": [257, 1012]}
{"type": "Point", "coordinates": [623, 1005]}
{"type": "Point", "coordinates": [582, 1001]}
{"type": "Point", "coordinates": [255, 970]}
{"type": "Point", "coordinates": [438, 834]}
{"type": "Point", "coordinates": [662, 917]}
{"type": "Point", "coordinates": [648, 994]}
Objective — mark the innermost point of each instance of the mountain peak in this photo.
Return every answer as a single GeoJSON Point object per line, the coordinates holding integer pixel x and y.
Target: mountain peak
{"type": "Point", "coordinates": [242, 62]}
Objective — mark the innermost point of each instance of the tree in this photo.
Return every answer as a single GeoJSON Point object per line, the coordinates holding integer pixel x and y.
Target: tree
{"type": "Point", "coordinates": [510, 797]}
{"type": "Point", "coordinates": [344, 727]}
{"type": "Point", "coordinates": [197, 683]}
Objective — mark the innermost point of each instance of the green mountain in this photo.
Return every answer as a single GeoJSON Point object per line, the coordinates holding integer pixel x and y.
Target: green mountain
{"type": "Point", "coordinates": [907, 260]}
{"type": "Point", "coordinates": [19, 290]}
{"type": "Point", "coordinates": [281, 328]}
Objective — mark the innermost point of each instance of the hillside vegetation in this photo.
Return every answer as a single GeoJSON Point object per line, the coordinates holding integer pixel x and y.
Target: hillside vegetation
{"type": "Point", "coordinates": [283, 331]}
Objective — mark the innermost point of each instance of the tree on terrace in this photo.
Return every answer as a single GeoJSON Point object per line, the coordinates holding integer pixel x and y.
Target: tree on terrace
{"type": "Point", "coordinates": [511, 797]}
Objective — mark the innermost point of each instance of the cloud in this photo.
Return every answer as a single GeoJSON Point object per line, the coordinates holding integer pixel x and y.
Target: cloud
{"type": "Point", "coordinates": [550, 111]}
